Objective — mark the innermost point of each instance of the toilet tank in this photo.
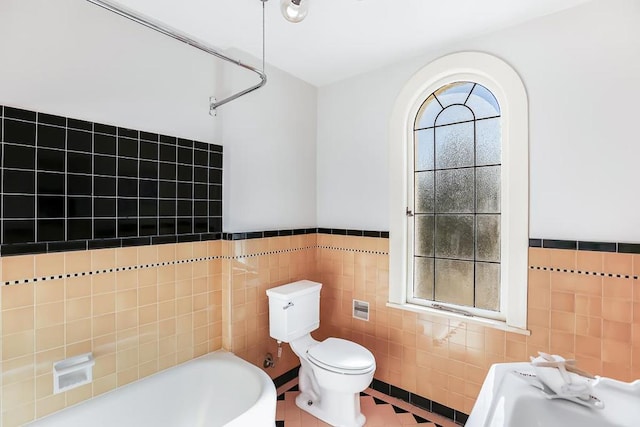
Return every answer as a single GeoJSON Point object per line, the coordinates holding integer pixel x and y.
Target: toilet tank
{"type": "Point", "coordinates": [294, 310]}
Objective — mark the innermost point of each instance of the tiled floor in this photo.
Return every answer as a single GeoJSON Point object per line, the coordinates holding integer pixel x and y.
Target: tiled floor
{"type": "Point", "coordinates": [379, 409]}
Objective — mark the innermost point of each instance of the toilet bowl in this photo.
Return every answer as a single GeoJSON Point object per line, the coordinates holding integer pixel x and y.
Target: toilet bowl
{"type": "Point", "coordinates": [333, 372]}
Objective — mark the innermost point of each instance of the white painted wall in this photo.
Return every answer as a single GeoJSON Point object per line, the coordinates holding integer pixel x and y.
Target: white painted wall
{"type": "Point", "coordinates": [72, 58]}
{"type": "Point", "coordinates": [269, 152]}
{"type": "Point", "coordinates": [580, 68]}
{"type": "Point", "coordinates": [75, 59]}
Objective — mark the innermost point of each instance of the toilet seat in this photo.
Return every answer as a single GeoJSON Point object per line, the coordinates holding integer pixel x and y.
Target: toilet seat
{"type": "Point", "coordinates": [342, 357]}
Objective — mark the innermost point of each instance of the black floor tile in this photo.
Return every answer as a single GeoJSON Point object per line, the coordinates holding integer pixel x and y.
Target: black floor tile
{"type": "Point", "coordinates": [399, 410]}
{"type": "Point", "coordinates": [420, 420]}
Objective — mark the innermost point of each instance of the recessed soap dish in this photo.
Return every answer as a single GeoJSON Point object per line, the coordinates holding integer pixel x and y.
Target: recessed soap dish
{"type": "Point", "coordinates": [72, 372]}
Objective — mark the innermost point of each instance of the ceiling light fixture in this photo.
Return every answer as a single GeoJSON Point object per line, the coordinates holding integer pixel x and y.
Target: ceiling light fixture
{"type": "Point", "coordinates": [294, 10]}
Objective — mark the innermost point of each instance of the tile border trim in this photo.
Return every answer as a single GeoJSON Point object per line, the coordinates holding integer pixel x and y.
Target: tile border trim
{"type": "Point", "coordinates": [273, 252]}
{"type": "Point", "coordinates": [620, 247]}
{"type": "Point", "coordinates": [298, 231]}
{"type": "Point", "coordinates": [143, 266]}
{"type": "Point", "coordinates": [108, 270]}
{"type": "Point", "coordinates": [83, 245]}
{"type": "Point", "coordinates": [584, 272]}
{"type": "Point", "coordinates": [362, 251]}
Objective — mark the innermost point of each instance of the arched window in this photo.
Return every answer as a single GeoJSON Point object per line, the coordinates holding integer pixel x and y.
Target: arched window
{"type": "Point", "coordinates": [454, 219]}
{"type": "Point", "coordinates": [459, 182]}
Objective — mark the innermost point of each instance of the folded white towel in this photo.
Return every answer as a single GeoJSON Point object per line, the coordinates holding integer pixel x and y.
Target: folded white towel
{"type": "Point", "coordinates": [554, 375]}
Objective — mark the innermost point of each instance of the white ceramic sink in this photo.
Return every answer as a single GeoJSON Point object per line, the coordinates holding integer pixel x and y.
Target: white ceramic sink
{"type": "Point", "coordinates": [507, 401]}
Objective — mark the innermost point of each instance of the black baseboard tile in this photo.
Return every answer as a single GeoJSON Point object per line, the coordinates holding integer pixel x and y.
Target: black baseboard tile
{"type": "Point", "coordinates": [105, 244]}
{"type": "Point", "coordinates": [399, 393]}
{"type": "Point", "coordinates": [535, 243]}
{"type": "Point", "coordinates": [559, 244]}
{"type": "Point", "coordinates": [460, 417]}
{"type": "Point", "coordinates": [136, 241]}
{"type": "Point", "coordinates": [23, 249]}
{"type": "Point", "coordinates": [381, 386]}
{"type": "Point", "coordinates": [629, 248]}
{"type": "Point", "coordinates": [73, 245]}
{"type": "Point", "coordinates": [443, 410]}
{"type": "Point", "coordinates": [419, 401]}
{"type": "Point", "coordinates": [187, 238]}
{"type": "Point", "coordinates": [291, 374]}
{"type": "Point", "coordinates": [580, 245]}
{"type": "Point", "coordinates": [597, 246]}
{"type": "Point", "coordinates": [161, 240]}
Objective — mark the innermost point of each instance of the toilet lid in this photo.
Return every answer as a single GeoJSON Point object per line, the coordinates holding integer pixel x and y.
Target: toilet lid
{"type": "Point", "coordinates": [343, 356]}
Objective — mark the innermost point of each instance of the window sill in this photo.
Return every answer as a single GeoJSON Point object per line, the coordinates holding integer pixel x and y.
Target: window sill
{"type": "Point", "coordinates": [489, 323]}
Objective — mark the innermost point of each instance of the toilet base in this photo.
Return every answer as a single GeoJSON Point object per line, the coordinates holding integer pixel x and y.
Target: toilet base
{"type": "Point", "coordinates": [337, 409]}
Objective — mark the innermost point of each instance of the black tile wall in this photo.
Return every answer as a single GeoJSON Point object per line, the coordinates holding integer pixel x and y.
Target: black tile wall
{"type": "Point", "coordinates": [68, 184]}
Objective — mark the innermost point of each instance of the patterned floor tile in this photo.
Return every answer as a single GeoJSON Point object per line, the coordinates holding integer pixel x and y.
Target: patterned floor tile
{"type": "Point", "coordinates": [380, 410]}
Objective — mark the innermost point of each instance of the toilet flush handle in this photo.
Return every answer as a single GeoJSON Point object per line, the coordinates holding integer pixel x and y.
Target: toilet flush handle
{"type": "Point", "coordinates": [289, 304]}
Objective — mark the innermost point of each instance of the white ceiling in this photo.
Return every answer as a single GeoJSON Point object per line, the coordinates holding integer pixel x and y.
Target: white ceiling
{"type": "Point", "coordinates": [342, 38]}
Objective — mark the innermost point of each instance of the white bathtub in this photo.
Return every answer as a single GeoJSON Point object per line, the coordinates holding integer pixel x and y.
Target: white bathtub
{"type": "Point", "coordinates": [218, 389]}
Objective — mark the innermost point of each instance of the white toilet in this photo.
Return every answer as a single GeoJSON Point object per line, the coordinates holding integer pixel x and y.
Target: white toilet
{"type": "Point", "coordinates": [332, 372]}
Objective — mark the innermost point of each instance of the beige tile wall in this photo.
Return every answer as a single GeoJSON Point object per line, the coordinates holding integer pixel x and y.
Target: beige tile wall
{"type": "Point", "coordinates": [250, 268]}
{"type": "Point", "coordinates": [147, 318]}
{"type": "Point", "coordinates": [136, 320]}
{"type": "Point", "coordinates": [593, 318]}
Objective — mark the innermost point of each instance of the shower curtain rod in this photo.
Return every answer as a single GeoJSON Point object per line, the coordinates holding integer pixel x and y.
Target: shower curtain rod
{"type": "Point", "coordinates": [175, 34]}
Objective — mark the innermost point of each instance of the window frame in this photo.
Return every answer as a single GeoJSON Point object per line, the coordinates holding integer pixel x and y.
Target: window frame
{"type": "Point", "coordinates": [505, 84]}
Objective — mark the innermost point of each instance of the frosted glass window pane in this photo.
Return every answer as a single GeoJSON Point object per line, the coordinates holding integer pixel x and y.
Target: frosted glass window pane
{"type": "Point", "coordinates": [454, 146]}
{"type": "Point", "coordinates": [423, 278]}
{"type": "Point", "coordinates": [454, 281]}
{"type": "Point", "coordinates": [454, 93]}
{"type": "Point", "coordinates": [488, 286]}
{"type": "Point", "coordinates": [424, 149]}
{"type": "Point", "coordinates": [483, 103]}
{"type": "Point", "coordinates": [423, 235]}
{"type": "Point", "coordinates": [454, 236]}
{"type": "Point", "coordinates": [457, 192]}
{"type": "Point", "coordinates": [488, 142]}
{"type": "Point", "coordinates": [488, 238]}
{"type": "Point", "coordinates": [454, 114]}
{"type": "Point", "coordinates": [454, 191]}
{"type": "Point", "coordinates": [488, 189]}
{"type": "Point", "coordinates": [427, 114]}
{"type": "Point", "coordinates": [424, 192]}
